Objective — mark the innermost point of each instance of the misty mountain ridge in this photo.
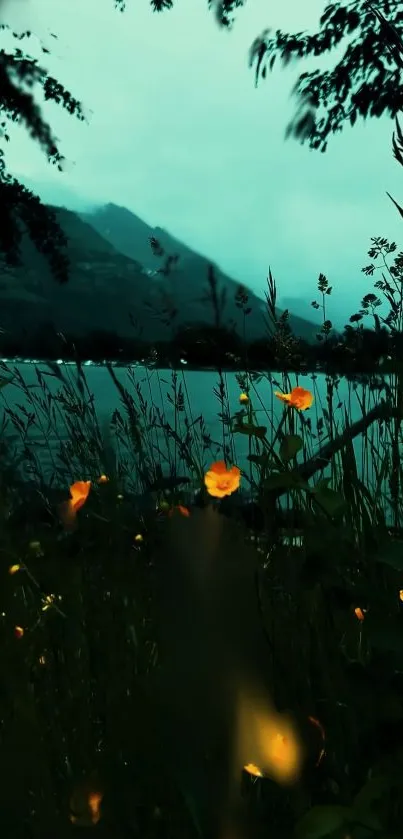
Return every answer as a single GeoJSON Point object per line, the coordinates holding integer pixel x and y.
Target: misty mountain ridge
{"type": "Point", "coordinates": [131, 235]}
{"type": "Point", "coordinates": [115, 284]}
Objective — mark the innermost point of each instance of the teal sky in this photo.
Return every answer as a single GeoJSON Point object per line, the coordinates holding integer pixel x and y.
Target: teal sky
{"type": "Point", "coordinates": [178, 134]}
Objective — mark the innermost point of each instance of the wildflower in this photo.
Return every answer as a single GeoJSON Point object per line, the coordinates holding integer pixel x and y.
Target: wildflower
{"type": "Point", "coordinates": [299, 398]}
{"type": "Point", "coordinates": [85, 806]}
{"type": "Point", "coordinates": [13, 569]}
{"type": "Point", "coordinates": [180, 509]}
{"type": "Point", "coordinates": [253, 770]}
{"type": "Point", "coordinates": [68, 509]}
{"type": "Point", "coordinates": [359, 613]}
{"type": "Point", "coordinates": [103, 479]}
{"type": "Point", "coordinates": [138, 537]}
{"type": "Point", "coordinates": [221, 481]}
{"type": "Point", "coordinates": [401, 594]}
{"type": "Point", "coordinates": [282, 754]}
{"type": "Point", "coordinates": [18, 631]}
{"type": "Point", "coordinates": [94, 801]}
{"type": "Point", "coordinates": [244, 398]}
{"type": "Point", "coordinates": [267, 739]}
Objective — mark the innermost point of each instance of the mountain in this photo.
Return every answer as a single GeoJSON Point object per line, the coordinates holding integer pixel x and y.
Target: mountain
{"type": "Point", "coordinates": [131, 236]}
{"type": "Point", "coordinates": [113, 284]}
{"type": "Point", "coordinates": [104, 286]}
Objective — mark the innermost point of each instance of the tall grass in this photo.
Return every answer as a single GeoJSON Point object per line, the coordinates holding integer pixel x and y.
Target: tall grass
{"type": "Point", "coordinates": [325, 517]}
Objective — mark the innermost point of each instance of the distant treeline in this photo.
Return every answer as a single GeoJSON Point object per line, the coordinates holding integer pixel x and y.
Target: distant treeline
{"type": "Point", "coordinates": [357, 349]}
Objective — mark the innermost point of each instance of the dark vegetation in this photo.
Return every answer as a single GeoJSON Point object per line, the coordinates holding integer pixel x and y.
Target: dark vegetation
{"type": "Point", "coordinates": [123, 641]}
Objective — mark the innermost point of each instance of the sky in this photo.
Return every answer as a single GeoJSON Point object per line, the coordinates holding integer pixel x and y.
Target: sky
{"type": "Point", "coordinates": [178, 133]}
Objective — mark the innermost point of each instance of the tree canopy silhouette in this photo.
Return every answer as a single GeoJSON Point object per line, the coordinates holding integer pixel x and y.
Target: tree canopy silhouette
{"type": "Point", "coordinates": [366, 82]}
{"type": "Point", "coordinates": [21, 209]}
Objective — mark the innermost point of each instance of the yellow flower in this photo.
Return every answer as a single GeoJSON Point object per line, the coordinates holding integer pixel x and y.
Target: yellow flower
{"type": "Point", "coordinates": [253, 770]}
{"type": "Point", "coordinates": [220, 481]}
{"type": "Point", "coordinates": [268, 740]}
{"type": "Point", "coordinates": [244, 398]}
{"type": "Point", "coordinates": [299, 398]}
{"type": "Point", "coordinates": [13, 569]}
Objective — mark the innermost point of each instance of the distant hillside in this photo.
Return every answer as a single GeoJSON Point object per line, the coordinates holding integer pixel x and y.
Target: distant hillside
{"type": "Point", "coordinates": [104, 286]}
{"type": "Point", "coordinates": [130, 235]}
{"type": "Point", "coordinates": [112, 284]}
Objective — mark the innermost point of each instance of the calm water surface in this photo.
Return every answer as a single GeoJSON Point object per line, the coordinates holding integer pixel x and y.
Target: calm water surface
{"type": "Point", "coordinates": [199, 399]}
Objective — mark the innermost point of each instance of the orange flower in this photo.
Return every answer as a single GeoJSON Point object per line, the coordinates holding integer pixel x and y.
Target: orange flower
{"type": "Point", "coordinates": [299, 398]}
{"type": "Point", "coordinates": [94, 801]}
{"type": "Point", "coordinates": [359, 613]}
{"type": "Point", "coordinates": [68, 509]}
{"type": "Point", "coordinates": [85, 805]}
{"type": "Point", "coordinates": [180, 509]}
{"type": "Point", "coordinates": [18, 631]}
{"type": "Point", "coordinates": [221, 481]}
{"type": "Point", "coordinates": [103, 479]}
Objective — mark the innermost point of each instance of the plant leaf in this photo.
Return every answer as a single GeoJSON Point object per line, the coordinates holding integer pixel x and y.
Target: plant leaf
{"type": "Point", "coordinates": [368, 796]}
{"type": "Point", "coordinates": [385, 633]}
{"type": "Point", "coordinates": [320, 821]}
{"type": "Point", "coordinates": [398, 207]}
{"type": "Point", "coordinates": [251, 430]}
{"type": "Point", "coordinates": [330, 500]}
{"type": "Point", "coordinates": [290, 445]}
{"type": "Point", "coordinates": [259, 459]}
{"type": "Point", "coordinates": [285, 480]}
{"type": "Point", "coordinates": [391, 554]}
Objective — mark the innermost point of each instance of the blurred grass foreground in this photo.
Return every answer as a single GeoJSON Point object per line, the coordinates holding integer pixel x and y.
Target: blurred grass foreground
{"type": "Point", "coordinates": [193, 647]}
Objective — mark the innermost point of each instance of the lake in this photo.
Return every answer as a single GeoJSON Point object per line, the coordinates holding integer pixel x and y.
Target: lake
{"type": "Point", "coordinates": [156, 387]}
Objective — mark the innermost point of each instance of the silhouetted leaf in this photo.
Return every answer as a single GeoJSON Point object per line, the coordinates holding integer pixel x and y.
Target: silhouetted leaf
{"type": "Point", "coordinates": [290, 446]}
{"type": "Point", "coordinates": [391, 554]}
{"type": "Point", "coordinates": [321, 821]}
{"type": "Point", "coordinates": [284, 480]}
{"type": "Point", "coordinates": [251, 430]}
{"type": "Point", "coordinates": [398, 207]}
{"type": "Point", "coordinates": [367, 799]}
{"type": "Point", "coordinates": [330, 500]}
